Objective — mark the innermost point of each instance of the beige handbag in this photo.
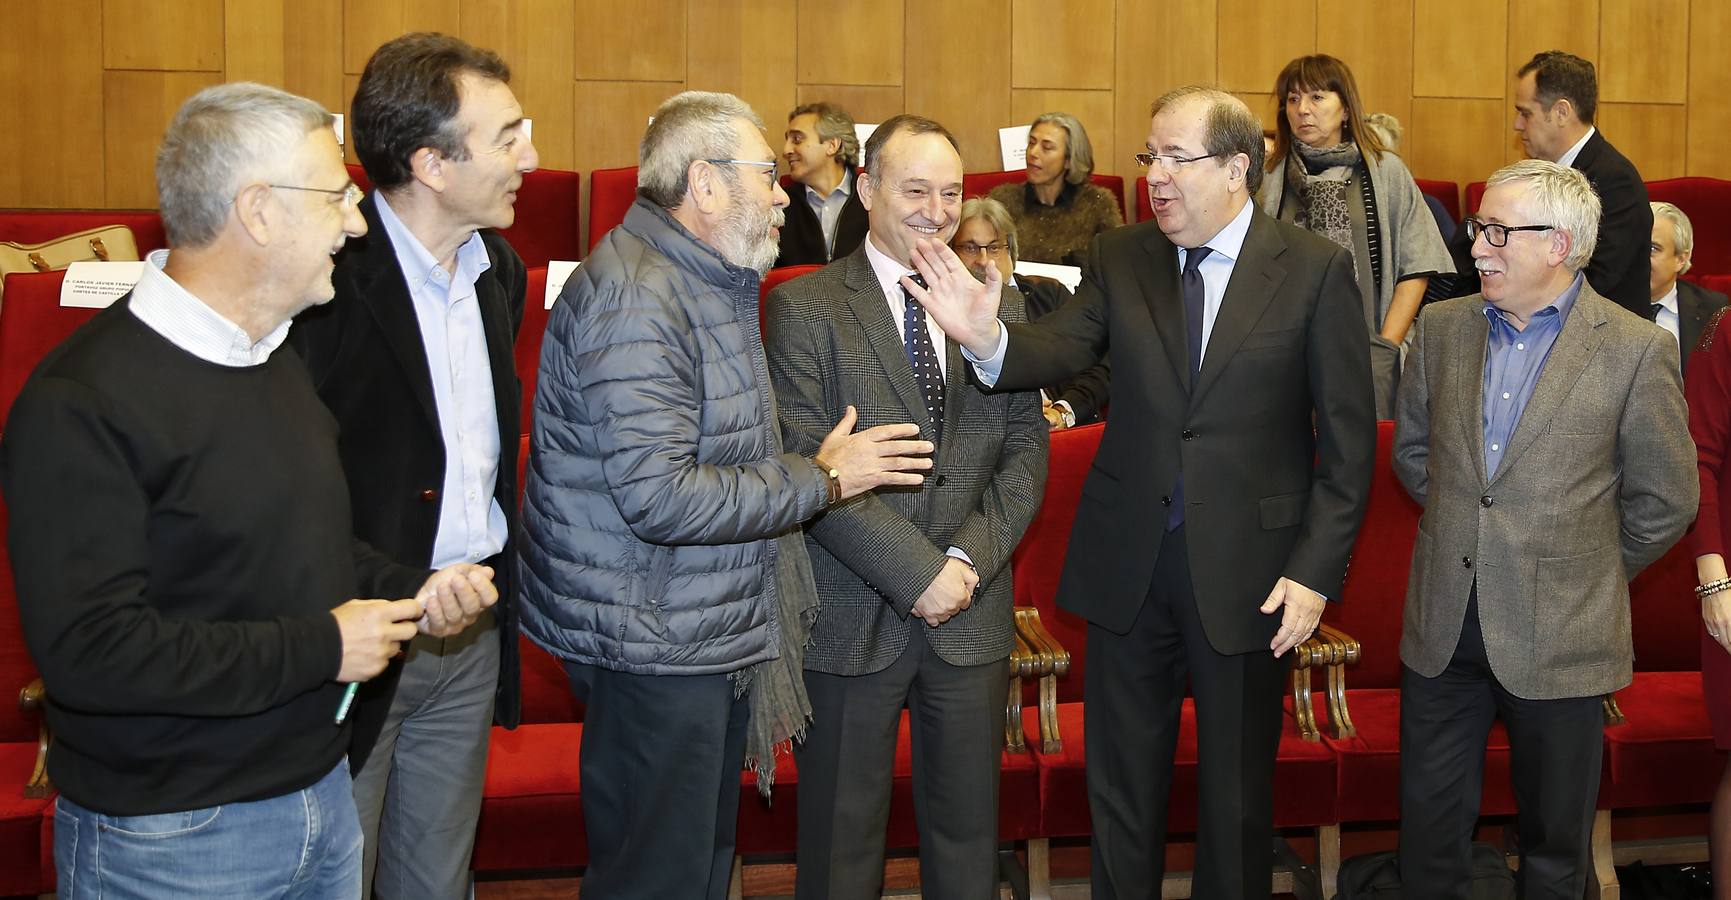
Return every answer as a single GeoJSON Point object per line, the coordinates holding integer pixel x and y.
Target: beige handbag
{"type": "Point", "coordinates": [110, 243]}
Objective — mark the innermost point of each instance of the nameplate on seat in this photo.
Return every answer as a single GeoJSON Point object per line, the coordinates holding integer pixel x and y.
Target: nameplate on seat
{"type": "Point", "coordinates": [1013, 144]}
{"type": "Point", "coordinates": [558, 272]}
{"type": "Point", "coordinates": [96, 285]}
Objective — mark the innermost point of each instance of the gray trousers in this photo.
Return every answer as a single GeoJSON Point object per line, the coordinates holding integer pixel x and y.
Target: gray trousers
{"type": "Point", "coordinates": [419, 793]}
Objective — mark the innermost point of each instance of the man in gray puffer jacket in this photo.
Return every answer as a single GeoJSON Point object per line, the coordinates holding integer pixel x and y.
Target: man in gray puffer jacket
{"type": "Point", "coordinates": [662, 559]}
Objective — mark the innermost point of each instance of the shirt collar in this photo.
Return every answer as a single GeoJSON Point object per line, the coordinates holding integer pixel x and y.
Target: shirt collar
{"type": "Point", "coordinates": [1669, 301]}
{"type": "Point", "coordinates": [187, 322]}
{"type": "Point", "coordinates": [889, 272]}
{"type": "Point", "coordinates": [417, 262]}
{"type": "Point", "coordinates": [1228, 242]}
{"type": "Point", "coordinates": [1568, 159]}
{"type": "Point", "coordinates": [1557, 310]}
{"type": "Point", "coordinates": [844, 187]}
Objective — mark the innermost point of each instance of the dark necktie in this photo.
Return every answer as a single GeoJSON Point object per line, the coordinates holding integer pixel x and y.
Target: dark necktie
{"type": "Point", "coordinates": [1653, 311]}
{"type": "Point", "coordinates": [924, 359]}
{"type": "Point", "coordinates": [1191, 286]}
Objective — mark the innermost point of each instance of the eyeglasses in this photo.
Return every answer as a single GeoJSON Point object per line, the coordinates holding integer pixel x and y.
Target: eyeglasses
{"type": "Point", "coordinates": [1168, 162]}
{"type": "Point", "coordinates": [769, 168]}
{"type": "Point", "coordinates": [969, 248]}
{"type": "Point", "coordinates": [1497, 235]}
{"type": "Point", "coordinates": [350, 193]}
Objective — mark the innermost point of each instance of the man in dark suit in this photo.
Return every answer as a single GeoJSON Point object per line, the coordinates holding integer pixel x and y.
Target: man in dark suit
{"type": "Point", "coordinates": [825, 220]}
{"type": "Point", "coordinates": [1555, 101]}
{"type": "Point", "coordinates": [987, 237]}
{"type": "Point", "coordinates": [1679, 307]}
{"type": "Point", "coordinates": [915, 584]}
{"type": "Point", "coordinates": [415, 361]}
{"type": "Point", "coordinates": [1517, 605]}
{"type": "Point", "coordinates": [1231, 335]}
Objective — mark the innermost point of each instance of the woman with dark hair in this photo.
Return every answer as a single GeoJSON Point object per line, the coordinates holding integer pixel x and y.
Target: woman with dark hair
{"type": "Point", "coordinates": [1333, 176]}
{"type": "Point", "coordinates": [1707, 387]}
{"type": "Point", "coordinates": [1058, 210]}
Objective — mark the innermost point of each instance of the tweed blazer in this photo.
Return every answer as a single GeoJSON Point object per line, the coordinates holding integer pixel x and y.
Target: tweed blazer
{"type": "Point", "coordinates": [1598, 480]}
{"type": "Point", "coordinates": [831, 343]}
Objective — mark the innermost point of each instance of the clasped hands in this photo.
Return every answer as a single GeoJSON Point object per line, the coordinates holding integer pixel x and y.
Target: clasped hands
{"type": "Point", "coordinates": [373, 631]}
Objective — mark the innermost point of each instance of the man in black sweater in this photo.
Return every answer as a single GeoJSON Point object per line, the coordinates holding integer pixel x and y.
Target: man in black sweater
{"type": "Point", "coordinates": [180, 537]}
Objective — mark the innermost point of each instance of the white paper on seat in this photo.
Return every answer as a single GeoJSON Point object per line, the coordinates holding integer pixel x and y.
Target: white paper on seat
{"type": "Point", "coordinates": [1013, 144]}
{"type": "Point", "coordinates": [864, 133]}
{"type": "Point", "coordinates": [1071, 276]}
{"type": "Point", "coordinates": [96, 285]}
{"type": "Point", "coordinates": [337, 126]}
{"type": "Point", "coordinates": [558, 271]}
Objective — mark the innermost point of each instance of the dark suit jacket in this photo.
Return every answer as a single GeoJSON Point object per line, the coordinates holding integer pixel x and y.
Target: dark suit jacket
{"type": "Point", "coordinates": [1695, 306]}
{"type": "Point", "coordinates": [802, 241]}
{"type": "Point", "coordinates": [367, 361]}
{"type": "Point", "coordinates": [1619, 267]}
{"type": "Point", "coordinates": [831, 342]}
{"type": "Point", "coordinates": [1266, 494]}
{"type": "Point", "coordinates": [1088, 392]}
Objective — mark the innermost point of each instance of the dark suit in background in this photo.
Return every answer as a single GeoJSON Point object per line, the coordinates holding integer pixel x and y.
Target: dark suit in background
{"type": "Point", "coordinates": [1088, 392]}
{"type": "Point", "coordinates": [802, 240]}
{"type": "Point", "coordinates": [1695, 308]}
{"type": "Point", "coordinates": [1619, 268]}
{"type": "Point", "coordinates": [831, 342]}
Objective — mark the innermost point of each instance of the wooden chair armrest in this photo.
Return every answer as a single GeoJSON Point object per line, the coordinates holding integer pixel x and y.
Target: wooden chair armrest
{"type": "Point", "coordinates": [30, 700]}
{"type": "Point", "coordinates": [1024, 661]}
{"type": "Point", "coordinates": [1312, 654]}
{"type": "Point", "coordinates": [1056, 665]}
{"type": "Point", "coordinates": [1344, 650]}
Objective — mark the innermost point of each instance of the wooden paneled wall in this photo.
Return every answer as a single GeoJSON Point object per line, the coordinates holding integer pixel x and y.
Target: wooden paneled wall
{"type": "Point", "coordinates": [87, 96]}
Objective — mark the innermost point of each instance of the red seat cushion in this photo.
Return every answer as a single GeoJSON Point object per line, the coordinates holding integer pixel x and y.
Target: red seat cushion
{"type": "Point", "coordinates": [26, 826]}
{"type": "Point", "coordinates": [1446, 192]}
{"type": "Point", "coordinates": [32, 322]}
{"type": "Point", "coordinates": [1663, 754]}
{"type": "Point", "coordinates": [531, 809]}
{"type": "Point", "coordinates": [1707, 203]}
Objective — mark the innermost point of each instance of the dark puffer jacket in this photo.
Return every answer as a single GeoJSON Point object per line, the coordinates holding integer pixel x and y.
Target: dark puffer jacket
{"type": "Point", "coordinates": [653, 488]}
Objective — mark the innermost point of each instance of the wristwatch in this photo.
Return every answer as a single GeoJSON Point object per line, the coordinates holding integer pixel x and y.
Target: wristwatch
{"type": "Point", "coordinates": [832, 476]}
{"type": "Point", "coordinates": [1065, 413]}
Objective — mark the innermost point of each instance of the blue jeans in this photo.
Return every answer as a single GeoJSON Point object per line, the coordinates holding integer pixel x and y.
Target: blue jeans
{"type": "Point", "coordinates": [306, 844]}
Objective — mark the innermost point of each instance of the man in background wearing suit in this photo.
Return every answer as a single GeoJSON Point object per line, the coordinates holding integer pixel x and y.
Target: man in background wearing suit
{"type": "Point", "coordinates": [915, 584]}
{"type": "Point", "coordinates": [825, 220]}
{"type": "Point", "coordinates": [1543, 430]}
{"type": "Point", "coordinates": [1679, 307]}
{"type": "Point", "coordinates": [1217, 517]}
{"type": "Point", "coordinates": [1555, 100]}
{"type": "Point", "coordinates": [987, 237]}
{"type": "Point", "coordinates": [415, 361]}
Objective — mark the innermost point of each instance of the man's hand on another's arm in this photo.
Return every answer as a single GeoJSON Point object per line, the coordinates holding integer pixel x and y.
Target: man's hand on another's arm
{"type": "Point", "coordinates": [877, 456]}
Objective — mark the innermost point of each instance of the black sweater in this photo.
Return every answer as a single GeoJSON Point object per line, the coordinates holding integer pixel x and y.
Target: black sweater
{"type": "Point", "coordinates": [179, 534]}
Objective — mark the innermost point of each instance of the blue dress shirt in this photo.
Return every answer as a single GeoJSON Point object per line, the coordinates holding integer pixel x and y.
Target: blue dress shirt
{"type": "Point", "coordinates": [1513, 361]}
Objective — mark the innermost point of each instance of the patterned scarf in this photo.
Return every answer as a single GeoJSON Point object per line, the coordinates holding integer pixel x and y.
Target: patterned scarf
{"type": "Point", "coordinates": [1317, 179]}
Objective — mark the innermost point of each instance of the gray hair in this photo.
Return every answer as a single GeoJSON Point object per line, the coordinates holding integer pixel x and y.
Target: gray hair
{"type": "Point", "coordinates": [222, 138]}
{"type": "Point", "coordinates": [1565, 199]}
{"type": "Point", "coordinates": [996, 215]}
{"type": "Point", "coordinates": [833, 124]}
{"type": "Point", "coordinates": [690, 126]}
{"type": "Point", "coordinates": [1683, 233]}
{"type": "Point", "coordinates": [1387, 129]}
{"type": "Point", "coordinates": [889, 128]}
{"type": "Point", "coordinates": [1079, 157]}
{"type": "Point", "coordinates": [1231, 128]}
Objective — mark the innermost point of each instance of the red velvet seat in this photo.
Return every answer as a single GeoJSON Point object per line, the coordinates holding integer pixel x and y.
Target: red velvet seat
{"type": "Point", "coordinates": [528, 346]}
{"type": "Point", "coordinates": [1707, 203]}
{"type": "Point", "coordinates": [32, 322]}
{"type": "Point", "coordinates": [26, 823]}
{"type": "Point", "coordinates": [1447, 193]}
{"type": "Point", "coordinates": [1475, 196]}
{"type": "Point", "coordinates": [1144, 208]}
{"type": "Point", "coordinates": [33, 226]}
{"type": "Point", "coordinates": [547, 208]}
{"type": "Point", "coordinates": [611, 193]}
{"type": "Point", "coordinates": [979, 184]}
{"type": "Point", "coordinates": [1720, 283]}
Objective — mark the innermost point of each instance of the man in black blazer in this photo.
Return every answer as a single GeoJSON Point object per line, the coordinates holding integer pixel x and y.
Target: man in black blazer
{"type": "Point", "coordinates": [1555, 101]}
{"type": "Point", "coordinates": [1216, 519]}
{"type": "Point", "coordinates": [414, 359]}
{"type": "Point", "coordinates": [825, 220]}
{"type": "Point", "coordinates": [1679, 307]}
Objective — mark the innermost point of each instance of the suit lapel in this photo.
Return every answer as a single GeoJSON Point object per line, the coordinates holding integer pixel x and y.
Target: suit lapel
{"type": "Point", "coordinates": [1466, 380]}
{"type": "Point", "coordinates": [1158, 278]}
{"type": "Point", "coordinates": [385, 293]}
{"type": "Point", "coordinates": [1569, 357]}
{"type": "Point", "coordinates": [873, 313]}
{"type": "Point", "coordinates": [501, 352]}
{"type": "Point", "coordinates": [1255, 278]}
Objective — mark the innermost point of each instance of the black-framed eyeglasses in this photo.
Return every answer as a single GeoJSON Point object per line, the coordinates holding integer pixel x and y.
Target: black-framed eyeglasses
{"type": "Point", "coordinates": [768, 167]}
{"type": "Point", "coordinates": [351, 192]}
{"type": "Point", "coordinates": [969, 248]}
{"type": "Point", "coordinates": [1167, 161]}
{"type": "Point", "coordinates": [1497, 235]}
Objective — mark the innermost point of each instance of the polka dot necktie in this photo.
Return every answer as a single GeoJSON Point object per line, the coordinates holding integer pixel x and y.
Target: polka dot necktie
{"type": "Point", "coordinates": [924, 359]}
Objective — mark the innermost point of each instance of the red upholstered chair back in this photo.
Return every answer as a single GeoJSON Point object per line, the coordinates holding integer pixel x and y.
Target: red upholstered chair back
{"type": "Point", "coordinates": [1375, 593]}
{"type": "Point", "coordinates": [1039, 558]}
{"type": "Point", "coordinates": [528, 348]}
{"type": "Point", "coordinates": [979, 184]}
{"type": "Point", "coordinates": [32, 322]}
{"type": "Point", "coordinates": [1446, 192]}
{"type": "Point", "coordinates": [1707, 203]}
{"type": "Point", "coordinates": [1144, 209]}
{"type": "Point", "coordinates": [770, 282]}
{"type": "Point", "coordinates": [1664, 614]}
{"type": "Point", "coordinates": [33, 226]}
{"type": "Point", "coordinates": [611, 193]}
{"type": "Point", "coordinates": [546, 225]}
{"type": "Point", "coordinates": [1475, 195]}
{"type": "Point", "coordinates": [16, 667]}
{"type": "Point", "coordinates": [1720, 283]}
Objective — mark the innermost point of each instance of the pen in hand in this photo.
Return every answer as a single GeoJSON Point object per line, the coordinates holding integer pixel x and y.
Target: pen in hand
{"type": "Point", "coordinates": [348, 700]}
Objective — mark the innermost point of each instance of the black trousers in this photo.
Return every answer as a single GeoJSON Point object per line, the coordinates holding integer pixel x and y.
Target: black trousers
{"type": "Point", "coordinates": [660, 767]}
{"type": "Point", "coordinates": [1134, 687]}
{"type": "Point", "coordinates": [956, 723]}
{"type": "Point", "coordinates": [1555, 752]}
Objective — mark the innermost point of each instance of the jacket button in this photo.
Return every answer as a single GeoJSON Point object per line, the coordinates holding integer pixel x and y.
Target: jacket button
{"type": "Point", "coordinates": [1165, 501]}
{"type": "Point", "coordinates": [1466, 562]}
{"type": "Point", "coordinates": [1188, 434]}
{"type": "Point", "coordinates": [1486, 501]}
{"type": "Point", "coordinates": [429, 495]}
{"type": "Point", "coordinates": [940, 481]}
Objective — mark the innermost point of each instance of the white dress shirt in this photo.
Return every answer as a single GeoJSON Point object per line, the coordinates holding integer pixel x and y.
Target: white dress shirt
{"type": "Point", "coordinates": [186, 322]}
{"type": "Point", "coordinates": [471, 523]}
{"type": "Point", "coordinates": [1568, 159]}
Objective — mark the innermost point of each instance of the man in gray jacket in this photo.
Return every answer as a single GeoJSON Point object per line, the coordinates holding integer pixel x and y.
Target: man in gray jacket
{"type": "Point", "coordinates": [661, 514]}
{"type": "Point", "coordinates": [1542, 427]}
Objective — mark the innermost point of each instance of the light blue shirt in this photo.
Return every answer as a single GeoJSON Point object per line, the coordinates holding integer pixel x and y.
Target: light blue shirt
{"type": "Point", "coordinates": [471, 524]}
{"type": "Point", "coordinates": [828, 208]}
{"type": "Point", "coordinates": [1513, 361]}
